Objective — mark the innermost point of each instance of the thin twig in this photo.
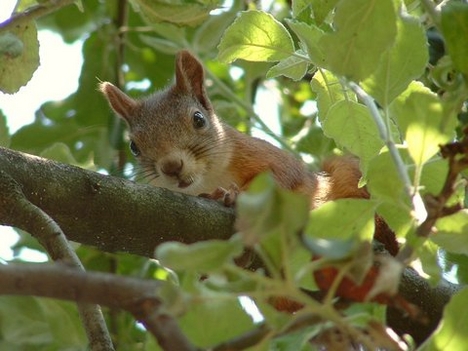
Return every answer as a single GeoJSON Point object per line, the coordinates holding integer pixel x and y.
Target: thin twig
{"type": "Point", "coordinates": [137, 296]}
{"type": "Point", "coordinates": [432, 11]}
{"type": "Point", "coordinates": [415, 197]}
{"type": "Point", "coordinates": [457, 155]}
{"type": "Point", "coordinates": [35, 221]}
{"type": "Point", "coordinates": [33, 13]}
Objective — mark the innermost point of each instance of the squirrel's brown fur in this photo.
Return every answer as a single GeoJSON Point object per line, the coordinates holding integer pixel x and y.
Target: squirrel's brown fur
{"type": "Point", "coordinates": [180, 141]}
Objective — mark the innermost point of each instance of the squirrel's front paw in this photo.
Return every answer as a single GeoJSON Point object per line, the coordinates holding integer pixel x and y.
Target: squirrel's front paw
{"type": "Point", "coordinates": [227, 197]}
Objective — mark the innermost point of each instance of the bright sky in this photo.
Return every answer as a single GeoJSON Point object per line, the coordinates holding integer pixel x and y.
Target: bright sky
{"type": "Point", "coordinates": [55, 79]}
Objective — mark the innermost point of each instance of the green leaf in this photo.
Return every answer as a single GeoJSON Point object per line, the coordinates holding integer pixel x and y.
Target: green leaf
{"type": "Point", "coordinates": [4, 133]}
{"type": "Point", "coordinates": [10, 45]}
{"type": "Point", "coordinates": [397, 68]}
{"type": "Point", "coordinates": [343, 219]}
{"type": "Point", "coordinates": [433, 176]}
{"type": "Point", "coordinates": [17, 67]}
{"type": "Point", "coordinates": [309, 36]}
{"type": "Point", "coordinates": [451, 334]}
{"type": "Point", "coordinates": [270, 218]}
{"type": "Point", "coordinates": [386, 186]}
{"type": "Point", "coordinates": [205, 323]}
{"type": "Point", "coordinates": [351, 125]}
{"type": "Point", "coordinates": [364, 30]}
{"type": "Point", "coordinates": [322, 9]}
{"type": "Point", "coordinates": [420, 116]}
{"type": "Point", "coordinates": [454, 23]}
{"type": "Point", "coordinates": [160, 44]}
{"type": "Point", "coordinates": [293, 67]}
{"type": "Point", "coordinates": [383, 181]}
{"type": "Point", "coordinates": [59, 152]}
{"type": "Point", "coordinates": [255, 36]}
{"type": "Point", "coordinates": [204, 257]}
{"type": "Point", "coordinates": [183, 12]}
{"type": "Point", "coordinates": [428, 254]}
{"type": "Point", "coordinates": [265, 208]}
{"type": "Point", "coordinates": [33, 323]}
{"type": "Point", "coordinates": [451, 233]}
{"type": "Point", "coordinates": [209, 34]}
{"type": "Point", "coordinates": [329, 91]}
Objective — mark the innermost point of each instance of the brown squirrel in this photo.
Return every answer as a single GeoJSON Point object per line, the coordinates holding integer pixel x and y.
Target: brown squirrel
{"type": "Point", "coordinates": [177, 137]}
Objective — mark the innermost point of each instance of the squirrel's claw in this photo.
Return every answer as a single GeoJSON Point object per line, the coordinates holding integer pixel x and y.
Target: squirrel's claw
{"type": "Point", "coordinates": [227, 197]}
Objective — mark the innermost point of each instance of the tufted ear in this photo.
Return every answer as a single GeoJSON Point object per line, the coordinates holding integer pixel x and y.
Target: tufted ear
{"type": "Point", "coordinates": [120, 102]}
{"type": "Point", "coordinates": [190, 77]}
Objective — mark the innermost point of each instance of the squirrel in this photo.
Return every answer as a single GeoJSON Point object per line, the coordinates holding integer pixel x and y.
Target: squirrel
{"type": "Point", "coordinates": [181, 142]}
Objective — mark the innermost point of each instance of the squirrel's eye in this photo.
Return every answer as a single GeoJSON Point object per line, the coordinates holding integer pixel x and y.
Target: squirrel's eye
{"type": "Point", "coordinates": [134, 149]}
{"type": "Point", "coordinates": [199, 121]}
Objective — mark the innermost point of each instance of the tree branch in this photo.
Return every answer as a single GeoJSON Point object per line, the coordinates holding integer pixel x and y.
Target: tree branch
{"type": "Point", "coordinates": [33, 13]}
{"type": "Point", "coordinates": [137, 296]}
{"type": "Point", "coordinates": [111, 213]}
{"type": "Point", "coordinates": [51, 237]}
{"type": "Point", "coordinates": [117, 215]}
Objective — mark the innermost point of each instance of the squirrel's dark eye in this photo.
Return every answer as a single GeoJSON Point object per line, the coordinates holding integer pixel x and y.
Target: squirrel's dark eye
{"type": "Point", "coordinates": [199, 121]}
{"type": "Point", "coordinates": [134, 149]}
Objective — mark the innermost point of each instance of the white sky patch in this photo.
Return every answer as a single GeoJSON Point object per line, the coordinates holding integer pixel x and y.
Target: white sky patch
{"type": "Point", "coordinates": [55, 79]}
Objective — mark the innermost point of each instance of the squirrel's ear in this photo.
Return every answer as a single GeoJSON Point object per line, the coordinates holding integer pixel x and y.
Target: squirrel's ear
{"type": "Point", "coordinates": [190, 77]}
{"type": "Point", "coordinates": [120, 102]}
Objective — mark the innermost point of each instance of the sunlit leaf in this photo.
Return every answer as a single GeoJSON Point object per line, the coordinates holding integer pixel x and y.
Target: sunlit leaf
{"type": "Point", "coordinates": [180, 12]}
{"type": "Point", "coordinates": [362, 26]}
{"type": "Point", "coordinates": [397, 68]}
{"type": "Point", "coordinates": [384, 181]}
{"type": "Point", "coordinates": [309, 36]}
{"type": "Point", "coordinates": [205, 322]}
{"type": "Point", "coordinates": [451, 233]}
{"type": "Point", "coordinates": [18, 66]}
{"type": "Point", "coordinates": [351, 125]}
{"type": "Point", "coordinates": [255, 36]}
{"type": "Point", "coordinates": [205, 256]}
{"type": "Point", "coordinates": [208, 35]}
{"type": "Point", "coordinates": [420, 116]}
{"type": "Point", "coordinates": [429, 257]}
{"type": "Point", "coordinates": [452, 332]}
{"type": "Point", "coordinates": [329, 91]}
{"type": "Point", "coordinates": [294, 67]}
{"type": "Point", "coordinates": [351, 218]}
{"type": "Point", "coordinates": [4, 133]}
{"type": "Point", "coordinates": [265, 208]}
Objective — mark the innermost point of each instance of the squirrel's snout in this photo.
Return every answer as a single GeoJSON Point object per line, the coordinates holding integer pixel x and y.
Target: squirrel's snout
{"type": "Point", "coordinates": [172, 168]}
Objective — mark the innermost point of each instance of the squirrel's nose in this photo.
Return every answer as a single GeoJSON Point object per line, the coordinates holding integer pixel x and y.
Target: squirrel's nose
{"type": "Point", "coordinates": [172, 168]}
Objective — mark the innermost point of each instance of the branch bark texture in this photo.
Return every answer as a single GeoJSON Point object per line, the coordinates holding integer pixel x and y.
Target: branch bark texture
{"type": "Point", "coordinates": [137, 296]}
{"type": "Point", "coordinates": [110, 213]}
{"type": "Point", "coordinates": [113, 214]}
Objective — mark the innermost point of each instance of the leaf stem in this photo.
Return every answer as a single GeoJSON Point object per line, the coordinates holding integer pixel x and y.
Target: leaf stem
{"type": "Point", "coordinates": [432, 10]}
{"type": "Point", "coordinates": [420, 211]}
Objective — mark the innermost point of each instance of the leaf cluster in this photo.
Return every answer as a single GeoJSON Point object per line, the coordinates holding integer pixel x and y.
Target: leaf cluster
{"type": "Point", "coordinates": [377, 92]}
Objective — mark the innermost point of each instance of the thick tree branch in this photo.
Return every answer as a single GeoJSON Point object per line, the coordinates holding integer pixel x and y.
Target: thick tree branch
{"type": "Point", "coordinates": [51, 237]}
{"type": "Point", "coordinates": [137, 296]}
{"type": "Point", "coordinates": [111, 213]}
{"type": "Point", "coordinates": [117, 215]}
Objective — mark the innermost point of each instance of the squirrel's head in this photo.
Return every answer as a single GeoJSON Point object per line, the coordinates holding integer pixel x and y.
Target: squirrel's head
{"type": "Point", "coordinates": [174, 133]}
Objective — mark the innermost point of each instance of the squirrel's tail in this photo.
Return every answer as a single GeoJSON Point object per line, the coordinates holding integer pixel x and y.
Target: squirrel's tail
{"type": "Point", "coordinates": [343, 177]}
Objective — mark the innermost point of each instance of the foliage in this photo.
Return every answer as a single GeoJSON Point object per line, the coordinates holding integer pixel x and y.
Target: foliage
{"type": "Point", "coordinates": [314, 51]}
